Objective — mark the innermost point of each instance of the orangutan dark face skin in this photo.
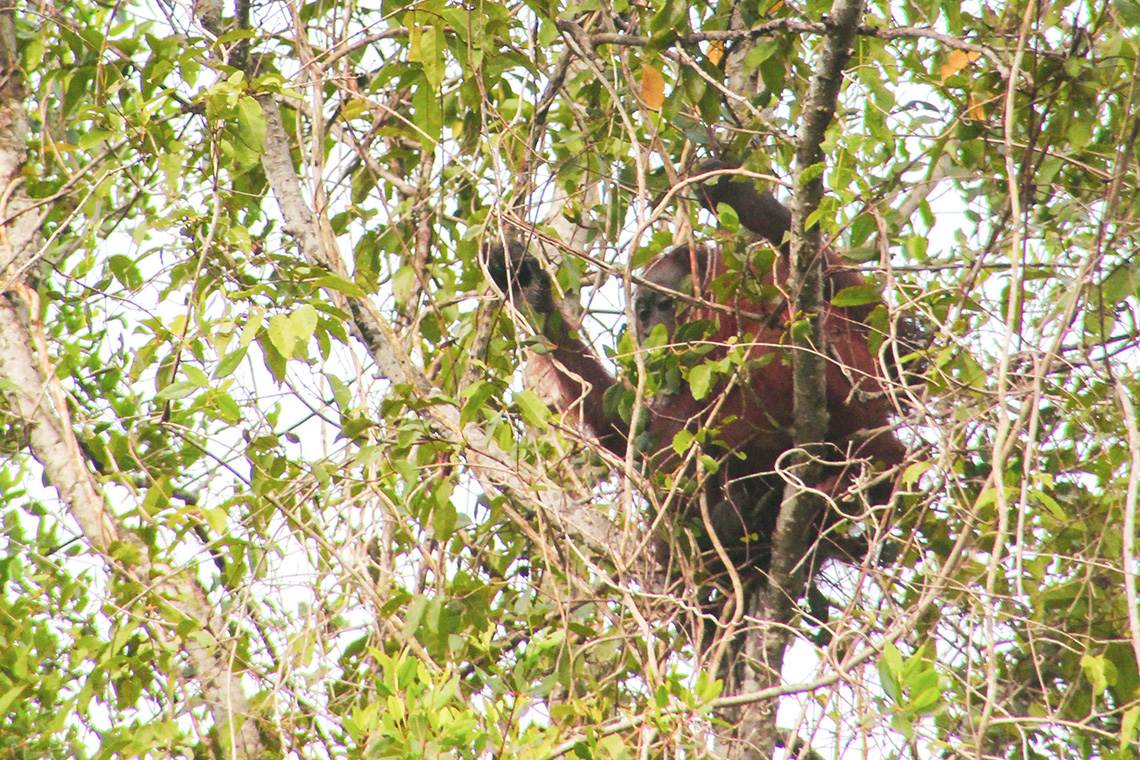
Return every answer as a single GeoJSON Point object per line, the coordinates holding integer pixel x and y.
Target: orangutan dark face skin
{"type": "Point", "coordinates": [653, 303]}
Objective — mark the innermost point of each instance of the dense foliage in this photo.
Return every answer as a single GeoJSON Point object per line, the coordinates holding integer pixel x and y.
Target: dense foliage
{"type": "Point", "coordinates": [273, 483]}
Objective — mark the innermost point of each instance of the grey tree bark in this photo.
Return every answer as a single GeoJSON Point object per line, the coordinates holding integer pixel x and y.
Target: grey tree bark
{"type": "Point", "coordinates": [754, 733]}
{"type": "Point", "coordinates": [35, 398]}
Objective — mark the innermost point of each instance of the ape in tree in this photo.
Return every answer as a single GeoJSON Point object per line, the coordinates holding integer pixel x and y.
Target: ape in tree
{"type": "Point", "coordinates": [748, 417]}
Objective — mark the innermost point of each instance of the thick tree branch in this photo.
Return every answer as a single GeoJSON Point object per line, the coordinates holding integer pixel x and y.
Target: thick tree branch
{"type": "Point", "coordinates": [175, 591]}
{"type": "Point", "coordinates": [18, 243]}
{"type": "Point", "coordinates": [35, 398]}
{"type": "Point", "coordinates": [495, 469]}
{"type": "Point", "coordinates": [808, 359]}
{"type": "Point", "coordinates": [756, 734]}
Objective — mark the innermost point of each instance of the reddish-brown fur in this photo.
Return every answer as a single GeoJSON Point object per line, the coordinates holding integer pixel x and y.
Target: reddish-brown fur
{"type": "Point", "coordinates": [755, 418]}
{"type": "Point", "coordinates": [762, 407]}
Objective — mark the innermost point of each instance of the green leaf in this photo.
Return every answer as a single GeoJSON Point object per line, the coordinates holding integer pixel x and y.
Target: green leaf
{"type": "Point", "coordinates": [126, 271]}
{"type": "Point", "coordinates": [403, 284]}
{"type": "Point", "coordinates": [235, 35]}
{"type": "Point", "coordinates": [901, 724]}
{"type": "Point", "coordinates": [890, 667]}
{"type": "Point", "coordinates": [1129, 11]}
{"type": "Point", "coordinates": [9, 696]}
{"type": "Point", "coordinates": [924, 690]}
{"type": "Point", "coordinates": [178, 390]}
{"type": "Point", "coordinates": [341, 285]}
{"type": "Point", "coordinates": [428, 117]}
{"type": "Point", "coordinates": [304, 322]}
{"type": "Point", "coordinates": [857, 295]}
{"type": "Point", "coordinates": [915, 471]}
{"type": "Point", "coordinates": [682, 441]}
{"type": "Point", "coordinates": [282, 334]}
{"type": "Point", "coordinates": [415, 37]}
{"type": "Point", "coordinates": [727, 218]}
{"type": "Point", "coordinates": [196, 375]}
{"type": "Point", "coordinates": [426, 43]}
{"type": "Point", "coordinates": [534, 412]}
{"type": "Point", "coordinates": [1080, 132]}
{"type": "Point", "coordinates": [229, 363]}
{"type": "Point", "coordinates": [216, 519]}
{"type": "Point", "coordinates": [251, 125]}
{"type": "Point", "coordinates": [226, 407]}
{"type": "Point", "coordinates": [275, 361]}
{"type": "Point", "coordinates": [444, 518]}
{"type": "Point", "coordinates": [1095, 670]}
{"type": "Point", "coordinates": [477, 395]}
{"type": "Point", "coordinates": [708, 688]}
{"type": "Point", "coordinates": [395, 708]}
{"type": "Point", "coordinates": [669, 16]}
{"type": "Point", "coordinates": [800, 329]}
{"type": "Point", "coordinates": [1122, 283]}
{"type": "Point", "coordinates": [661, 41]}
{"type": "Point", "coordinates": [700, 379]}
{"type": "Point", "coordinates": [92, 138]}
{"type": "Point", "coordinates": [432, 46]}
{"type": "Point", "coordinates": [1128, 725]}
{"type": "Point", "coordinates": [413, 613]}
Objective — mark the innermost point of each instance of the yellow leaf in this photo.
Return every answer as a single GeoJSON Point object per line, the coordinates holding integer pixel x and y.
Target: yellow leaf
{"type": "Point", "coordinates": [975, 111]}
{"type": "Point", "coordinates": [715, 52]}
{"type": "Point", "coordinates": [958, 60]}
{"type": "Point", "coordinates": [652, 87]}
